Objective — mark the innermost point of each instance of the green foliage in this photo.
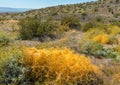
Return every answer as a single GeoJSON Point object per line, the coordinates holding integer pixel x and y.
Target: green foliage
{"type": "Point", "coordinates": [87, 26]}
{"type": "Point", "coordinates": [2, 19]}
{"type": "Point", "coordinates": [11, 71]}
{"type": "Point", "coordinates": [4, 40]}
{"type": "Point", "coordinates": [70, 21]}
{"type": "Point", "coordinates": [116, 15]}
{"type": "Point", "coordinates": [113, 39]}
{"type": "Point", "coordinates": [45, 28]}
{"type": "Point", "coordinates": [34, 28]}
{"type": "Point", "coordinates": [28, 28]}
{"type": "Point", "coordinates": [84, 14]}
{"type": "Point", "coordinates": [96, 10]}
{"type": "Point", "coordinates": [115, 22]}
{"type": "Point", "coordinates": [99, 19]}
{"type": "Point", "coordinates": [63, 28]}
{"type": "Point", "coordinates": [97, 50]}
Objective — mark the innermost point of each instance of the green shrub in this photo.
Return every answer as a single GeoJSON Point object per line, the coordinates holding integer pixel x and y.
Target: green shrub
{"type": "Point", "coordinates": [2, 19]}
{"type": "Point", "coordinates": [116, 15]}
{"type": "Point", "coordinates": [84, 14]}
{"type": "Point", "coordinates": [63, 28]}
{"type": "Point", "coordinates": [87, 26]}
{"type": "Point", "coordinates": [116, 23]}
{"type": "Point", "coordinates": [34, 28]}
{"type": "Point", "coordinates": [28, 28]}
{"type": "Point", "coordinates": [113, 39]}
{"type": "Point", "coordinates": [99, 19]}
{"type": "Point", "coordinates": [96, 10]}
{"type": "Point", "coordinates": [97, 50]}
{"type": "Point", "coordinates": [70, 21]}
{"type": "Point", "coordinates": [45, 29]}
{"type": "Point", "coordinates": [12, 71]}
{"type": "Point", "coordinates": [4, 40]}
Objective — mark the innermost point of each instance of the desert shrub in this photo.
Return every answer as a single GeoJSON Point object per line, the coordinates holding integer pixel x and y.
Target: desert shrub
{"type": "Point", "coordinates": [71, 22]}
{"type": "Point", "coordinates": [97, 50]}
{"type": "Point", "coordinates": [84, 14]}
{"type": "Point", "coordinates": [116, 15]}
{"type": "Point", "coordinates": [114, 30]}
{"type": "Point", "coordinates": [2, 19]}
{"type": "Point", "coordinates": [115, 22]}
{"type": "Point", "coordinates": [113, 39]}
{"type": "Point", "coordinates": [91, 33]}
{"type": "Point", "coordinates": [28, 28]}
{"type": "Point", "coordinates": [11, 71]}
{"type": "Point", "coordinates": [45, 29]}
{"type": "Point", "coordinates": [109, 52]}
{"type": "Point", "coordinates": [87, 26]}
{"type": "Point", "coordinates": [60, 67]}
{"type": "Point", "coordinates": [117, 48]}
{"type": "Point", "coordinates": [6, 52]}
{"type": "Point", "coordinates": [96, 10]}
{"type": "Point", "coordinates": [111, 70]}
{"type": "Point", "coordinates": [103, 39]}
{"type": "Point", "coordinates": [63, 28]}
{"type": "Point", "coordinates": [103, 34]}
{"type": "Point", "coordinates": [34, 28]}
{"type": "Point", "coordinates": [99, 19]}
{"type": "Point", "coordinates": [91, 48]}
{"type": "Point", "coordinates": [4, 40]}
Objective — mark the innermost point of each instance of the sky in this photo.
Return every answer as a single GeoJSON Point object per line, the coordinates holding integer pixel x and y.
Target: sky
{"type": "Point", "coordinates": [37, 3]}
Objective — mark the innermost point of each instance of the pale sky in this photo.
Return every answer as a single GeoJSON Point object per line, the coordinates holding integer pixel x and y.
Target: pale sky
{"type": "Point", "coordinates": [37, 3]}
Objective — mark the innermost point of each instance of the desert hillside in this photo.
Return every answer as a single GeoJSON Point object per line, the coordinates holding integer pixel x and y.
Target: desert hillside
{"type": "Point", "coordinates": [108, 10]}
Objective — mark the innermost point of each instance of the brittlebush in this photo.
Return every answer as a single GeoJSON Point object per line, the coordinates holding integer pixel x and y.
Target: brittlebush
{"type": "Point", "coordinates": [60, 67]}
{"type": "Point", "coordinates": [103, 39]}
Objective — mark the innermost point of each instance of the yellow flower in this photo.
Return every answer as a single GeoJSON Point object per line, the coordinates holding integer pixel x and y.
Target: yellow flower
{"type": "Point", "coordinates": [103, 39]}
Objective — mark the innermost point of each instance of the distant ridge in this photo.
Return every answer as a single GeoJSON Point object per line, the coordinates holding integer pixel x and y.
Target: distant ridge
{"type": "Point", "coordinates": [11, 10]}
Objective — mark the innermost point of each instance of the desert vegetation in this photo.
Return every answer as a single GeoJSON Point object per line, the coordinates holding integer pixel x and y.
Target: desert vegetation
{"type": "Point", "coordinates": [63, 45]}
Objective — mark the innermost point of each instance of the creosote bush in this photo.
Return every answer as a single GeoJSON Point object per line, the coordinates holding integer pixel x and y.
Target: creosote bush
{"type": "Point", "coordinates": [34, 28]}
{"type": "Point", "coordinates": [70, 21]}
{"type": "Point", "coordinates": [45, 29]}
{"type": "Point", "coordinates": [60, 67]}
{"type": "Point", "coordinates": [87, 26]}
{"type": "Point", "coordinates": [28, 28]}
